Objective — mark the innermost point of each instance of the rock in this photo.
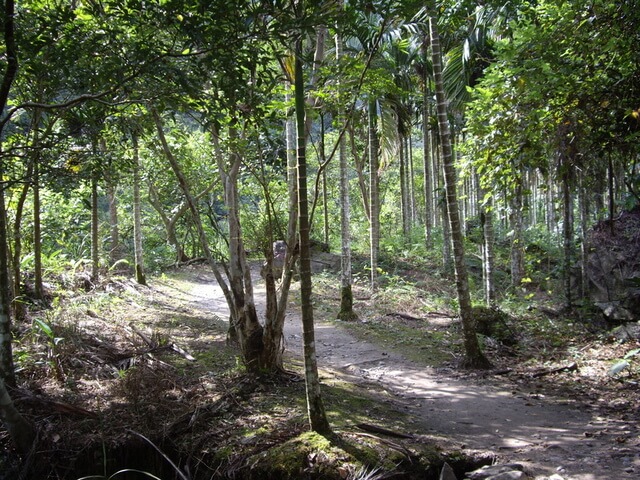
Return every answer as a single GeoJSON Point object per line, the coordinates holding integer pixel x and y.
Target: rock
{"type": "Point", "coordinates": [447, 472]}
{"type": "Point", "coordinates": [492, 472]}
{"type": "Point", "coordinates": [613, 266]}
{"type": "Point", "coordinates": [513, 475]}
{"type": "Point", "coordinates": [626, 333]}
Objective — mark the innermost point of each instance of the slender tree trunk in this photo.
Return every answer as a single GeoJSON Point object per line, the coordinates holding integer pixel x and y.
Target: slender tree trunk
{"type": "Point", "coordinates": [583, 198]}
{"type": "Point", "coordinates": [374, 199]}
{"type": "Point", "coordinates": [95, 229]}
{"type": "Point", "coordinates": [19, 307]}
{"type": "Point", "coordinates": [346, 290]}
{"type": "Point", "coordinates": [317, 415]}
{"type": "Point", "coordinates": [404, 189]}
{"type": "Point", "coordinates": [517, 244]}
{"type": "Point", "coordinates": [427, 184]}
{"type": "Point", "coordinates": [204, 243]}
{"type": "Point", "coordinates": [412, 188]}
{"type": "Point", "coordinates": [274, 325]}
{"type": "Point", "coordinates": [250, 331]}
{"type": "Point", "coordinates": [488, 258]}
{"type": "Point", "coordinates": [7, 371]}
{"type": "Point", "coordinates": [138, 253]}
{"type": "Point", "coordinates": [22, 432]}
{"type": "Point", "coordinates": [37, 233]}
{"type": "Point", "coordinates": [474, 358]}
{"type": "Point", "coordinates": [10, 54]}
{"type": "Point", "coordinates": [115, 248]}
{"type": "Point", "coordinates": [359, 163]}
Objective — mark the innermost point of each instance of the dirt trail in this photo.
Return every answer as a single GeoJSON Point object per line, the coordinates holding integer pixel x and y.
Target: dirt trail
{"type": "Point", "coordinates": [547, 435]}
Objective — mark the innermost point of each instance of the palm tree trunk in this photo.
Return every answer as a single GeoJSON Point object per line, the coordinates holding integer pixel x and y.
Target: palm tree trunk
{"type": "Point", "coordinates": [315, 407]}
{"type": "Point", "coordinates": [427, 185]}
{"type": "Point", "coordinates": [474, 358]}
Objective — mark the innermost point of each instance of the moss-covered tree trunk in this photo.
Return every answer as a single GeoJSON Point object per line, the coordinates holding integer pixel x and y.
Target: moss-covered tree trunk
{"type": "Point", "coordinates": [474, 358]}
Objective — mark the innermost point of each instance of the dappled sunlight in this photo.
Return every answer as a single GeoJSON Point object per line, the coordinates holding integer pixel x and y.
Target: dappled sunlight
{"type": "Point", "coordinates": [555, 435]}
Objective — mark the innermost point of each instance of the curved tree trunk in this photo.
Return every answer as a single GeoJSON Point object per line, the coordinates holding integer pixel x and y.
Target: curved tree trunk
{"type": "Point", "coordinates": [22, 432]}
{"type": "Point", "coordinates": [184, 186]}
{"type": "Point", "coordinates": [315, 407]}
{"type": "Point", "coordinates": [474, 358]}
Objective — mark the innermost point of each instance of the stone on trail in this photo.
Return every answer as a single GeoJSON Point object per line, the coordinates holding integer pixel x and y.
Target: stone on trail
{"type": "Point", "coordinates": [509, 471]}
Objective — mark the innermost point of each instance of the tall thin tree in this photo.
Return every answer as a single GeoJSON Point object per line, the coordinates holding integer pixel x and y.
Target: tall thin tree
{"type": "Point", "coordinates": [474, 358]}
{"type": "Point", "coordinates": [315, 407]}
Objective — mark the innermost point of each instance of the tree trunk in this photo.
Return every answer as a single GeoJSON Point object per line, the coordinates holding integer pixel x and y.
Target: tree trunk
{"type": "Point", "coordinates": [19, 307]}
{"type": "Point", "coordinates": [404, 188]}
{"type": "Point", "coordinates": [488, 259]}
{"type": "Point", "coordinates": [138, 254]}
{"type": "Point", "coordinates": [204, 243]}
{"type": "Point", "coordinates": [474, 358]}
{"type": "Point", "coordinates": [317, 415]}
{"type": "Point", "coordinates": [274, 325]}
{"type": "Point", "coordinates": [374, 199]}
{"type": "Point", "coordinates": [359, 163]}
{"type": "Point", "coordinates": [37, 233]}
{"type": "Point", "coordinates": [517, 244]}
{"type": "Point", "coordinates": [583, 198]}
{"type": "Point", "coordinates": [7, 371]}
{"type": "Point", "coordinates": [115, 248]}
{"type": "Point", "coordinates": [10, 54]}
{"type": "Point", "coordinates": [95, 228]}
{"type": "Point", "coordinates": [426, 159]}
{"type": "Point", "coordinates": [346, 284]}
{"type": "Point", "coordinates": [21, 431]}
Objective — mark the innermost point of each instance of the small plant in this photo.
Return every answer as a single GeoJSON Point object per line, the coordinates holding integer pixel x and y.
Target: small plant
{"type": "Point", "coordinates": [53, 358]}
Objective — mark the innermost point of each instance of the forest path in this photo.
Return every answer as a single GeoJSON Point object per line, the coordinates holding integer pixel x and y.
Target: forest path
{"type": "Point", "coordinates": [547, 435]}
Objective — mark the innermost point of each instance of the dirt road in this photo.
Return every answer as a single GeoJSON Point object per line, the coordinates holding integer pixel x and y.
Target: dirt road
{"type": "Point", "coordinates": [547, 435]}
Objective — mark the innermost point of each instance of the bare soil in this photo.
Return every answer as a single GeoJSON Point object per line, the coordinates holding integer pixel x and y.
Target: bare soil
{"type": "Point", "coordinates": [154, 360]}
{"type": "Point", "coordinates": [539, 421]}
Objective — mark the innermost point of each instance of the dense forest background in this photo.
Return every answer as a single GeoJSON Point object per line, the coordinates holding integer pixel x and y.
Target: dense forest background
{"type": "Point", "coordinates": [488, 138]}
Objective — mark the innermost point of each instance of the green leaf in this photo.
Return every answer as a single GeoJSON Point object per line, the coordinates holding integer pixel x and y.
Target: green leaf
{"type": "Point", "coordinates": [632, 353]}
